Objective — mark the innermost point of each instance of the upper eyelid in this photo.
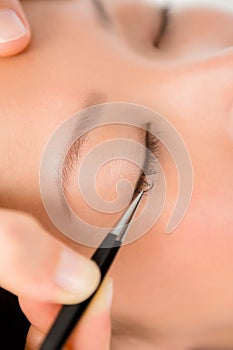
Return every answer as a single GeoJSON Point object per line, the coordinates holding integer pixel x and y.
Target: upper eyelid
{"type": "Point", "coordinates": [73, 155]}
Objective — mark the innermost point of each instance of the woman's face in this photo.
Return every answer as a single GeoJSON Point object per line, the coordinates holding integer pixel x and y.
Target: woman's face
{"type": "Point", "coordinates": [171, 291]}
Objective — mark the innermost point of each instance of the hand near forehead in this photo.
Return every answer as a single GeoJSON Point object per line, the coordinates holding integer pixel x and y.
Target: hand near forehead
{"type": "Point", "coordinates": [15, 31]}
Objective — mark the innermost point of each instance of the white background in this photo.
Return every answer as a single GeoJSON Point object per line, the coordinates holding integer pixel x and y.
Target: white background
{"type": "Point", "coordinates": [218, 3]}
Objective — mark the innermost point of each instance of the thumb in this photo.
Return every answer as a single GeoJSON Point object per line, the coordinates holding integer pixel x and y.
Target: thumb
{"type": "Point", "coordinates": [37, 266]}
{"type": "Point", "coordinates": [93, 332]}
{"type": "Point", "coordinates": [15, 32]}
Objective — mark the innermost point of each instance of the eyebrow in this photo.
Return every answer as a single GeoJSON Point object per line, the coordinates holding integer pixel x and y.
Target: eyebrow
{"type": "Point", "coordinates": [101, 12]}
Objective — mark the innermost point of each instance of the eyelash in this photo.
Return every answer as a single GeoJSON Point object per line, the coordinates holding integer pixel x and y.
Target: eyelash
{"type": "Point", "coordinates": [163, 27]}
{"type": "Point", "coordinates": [150, 167]}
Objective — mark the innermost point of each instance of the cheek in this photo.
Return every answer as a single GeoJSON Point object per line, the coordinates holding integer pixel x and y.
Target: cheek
{"type": "Point", "coordinates": [187, 272]}
{"type": "Point", "coordinates": [178, 275]}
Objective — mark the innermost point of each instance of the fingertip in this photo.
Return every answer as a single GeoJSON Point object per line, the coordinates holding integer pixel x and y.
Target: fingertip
{"type": "Point", "coordinates": [15, 32]}
{"type": "Point", "coordinates": [76, 276]}
{"type": "Point", "coordinates": [103, 299]}
{"type": "Point", "coordinates": [93, 331]}
{"type": "Point", "coordinates": [14, 47]}
{"type": "Point", "coordinates": [96, 321]}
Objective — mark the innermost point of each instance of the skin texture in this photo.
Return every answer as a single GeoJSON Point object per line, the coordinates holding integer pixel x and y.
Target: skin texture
{"type": "Point", "coordinates": [171, 292]}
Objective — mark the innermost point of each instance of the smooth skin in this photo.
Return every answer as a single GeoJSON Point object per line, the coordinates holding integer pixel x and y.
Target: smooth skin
{"type": "Point", "coordinates": [179, 296]}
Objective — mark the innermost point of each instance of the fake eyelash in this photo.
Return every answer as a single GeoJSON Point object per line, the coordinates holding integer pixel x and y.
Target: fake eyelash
{"type": "Point", "coordinates": [150, 166]}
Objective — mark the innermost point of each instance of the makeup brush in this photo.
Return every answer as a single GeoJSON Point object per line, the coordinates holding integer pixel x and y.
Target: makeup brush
{"type": "Point", "coordinates": [103, 256]}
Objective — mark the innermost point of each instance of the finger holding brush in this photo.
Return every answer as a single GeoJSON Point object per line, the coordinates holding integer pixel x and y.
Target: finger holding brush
{"type": "Point", "coordinates": [92, 332]}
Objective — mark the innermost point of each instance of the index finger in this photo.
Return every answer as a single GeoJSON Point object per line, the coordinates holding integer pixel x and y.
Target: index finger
{"type": "Point", "coordinates": [93, 331]}
{"type": "Point", "coordinates": [15, 31]}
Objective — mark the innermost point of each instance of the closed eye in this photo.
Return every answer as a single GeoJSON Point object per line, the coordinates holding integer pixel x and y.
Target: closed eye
{"type": "Point", "coordinates": [165, 13]}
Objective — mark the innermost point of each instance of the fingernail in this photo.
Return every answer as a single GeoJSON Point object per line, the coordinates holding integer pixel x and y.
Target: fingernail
{"type": "Point", "coordinates": [103, 300]}
{"type": "Point", "coordinates": [11, 26]}
{"type": "Point", "coordinates": [76, 275]}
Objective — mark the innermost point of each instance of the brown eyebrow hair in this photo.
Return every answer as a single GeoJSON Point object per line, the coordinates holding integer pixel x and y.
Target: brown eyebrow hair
{"type": "Point", "coordinates": [101, 12]}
